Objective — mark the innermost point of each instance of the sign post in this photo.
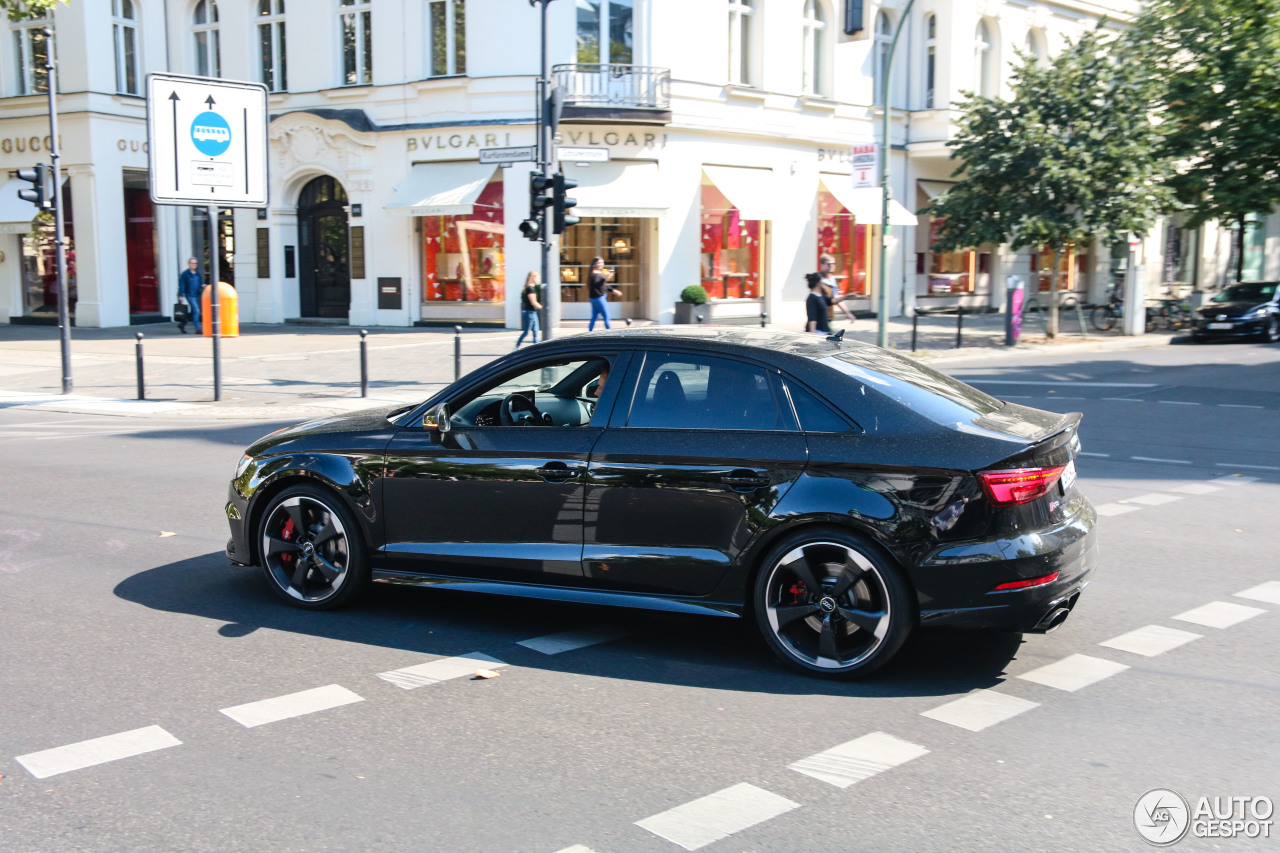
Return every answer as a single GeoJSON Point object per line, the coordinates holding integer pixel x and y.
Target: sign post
{"type": "Point", "coordinates": [207, 140]}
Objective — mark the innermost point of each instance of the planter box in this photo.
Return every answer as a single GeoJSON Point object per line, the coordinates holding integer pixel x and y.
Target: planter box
{"type": "Point", "coordinates": [686, 312]}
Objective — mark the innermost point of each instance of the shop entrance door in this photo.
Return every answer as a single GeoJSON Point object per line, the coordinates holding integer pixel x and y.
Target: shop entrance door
{"type": "Point", "coordinates": [324, 273]}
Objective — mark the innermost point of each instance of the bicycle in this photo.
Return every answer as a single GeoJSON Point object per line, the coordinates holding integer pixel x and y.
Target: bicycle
{"type": "Point", "coordinates": [1104, 317]}
{"type": "Point", "coordinates": [1172, 314]}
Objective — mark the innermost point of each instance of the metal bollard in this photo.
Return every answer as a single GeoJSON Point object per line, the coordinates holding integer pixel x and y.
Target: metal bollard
{"type": "Point", "coordinates": [364, 363]}
{"type": "Point", "coordinates": [764, 319]}
{"type": "Point", "coordinates": [698, 317]}
{"type": "Point", "coordinates": [627, 321]}
{"type": "Point", "coordinates": [457, 353]}
{"type": "Point", "coordinates": [959, 324]}
{"type": "Point", "coordinates": [915, 320]}
{"type": "Point", "coordinates": [142, 387]}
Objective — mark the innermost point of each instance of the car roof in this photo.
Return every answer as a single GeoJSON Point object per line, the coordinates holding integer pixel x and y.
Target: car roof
{"type": "Point", "coordinates": [722, 338]}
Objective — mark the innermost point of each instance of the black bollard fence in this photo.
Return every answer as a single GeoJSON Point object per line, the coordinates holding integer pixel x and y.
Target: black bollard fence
{"type": "Point", "coordinates": [959, 323]}
{"type": "Point", "coordinates": [457, 353]}
{"type": "Point", "coordinates": [915, 321]}
{"type": "Point", "coordinates": [142, 386]}
{"type": "Point", "coordinates": [764, 319]}
{"type": "Point", "coordinates": [364, 363]}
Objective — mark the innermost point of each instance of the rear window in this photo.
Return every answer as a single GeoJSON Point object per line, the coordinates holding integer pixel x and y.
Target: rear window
{"type": "Point", "coordinates": [934, 395]}
{"type": "Point", "coordinates": [1248, 292]}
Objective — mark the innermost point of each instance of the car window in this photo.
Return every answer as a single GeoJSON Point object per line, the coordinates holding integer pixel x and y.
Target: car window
{"type": "Point", "coordinates": [564, 391]}
{"type": "Point", "coordinates": [815, 415]}
{"type": "Point", "coordinates": [683, 391]}
{"type": "Point", "coordinates": [1248, 292]}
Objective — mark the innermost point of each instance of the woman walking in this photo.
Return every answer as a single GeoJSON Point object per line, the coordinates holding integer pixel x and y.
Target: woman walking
{"type": "Point", "coordinates": [529, 308]}
{"type": "Point", "coordinates": [598, 289]}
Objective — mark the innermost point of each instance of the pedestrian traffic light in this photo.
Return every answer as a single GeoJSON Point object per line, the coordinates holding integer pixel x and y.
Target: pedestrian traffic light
{"type": "Point", "coordinates": [562, 219]}
{"type": "Point", "coordinates": [532, 229]}
{"type": "Point", "coordinates": [41, 192]}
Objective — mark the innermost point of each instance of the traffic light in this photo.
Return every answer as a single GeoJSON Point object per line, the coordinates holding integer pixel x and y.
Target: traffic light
{"type": "Point", "coordinates": [562, 219]}
{"type": "Point", "coordinates": [531, 228]}
{"type": "Point", "coordinates": [41, 192]}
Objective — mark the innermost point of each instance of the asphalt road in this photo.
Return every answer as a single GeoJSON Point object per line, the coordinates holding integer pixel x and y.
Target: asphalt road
{"type": "Point", "coordinates": [119, 614]}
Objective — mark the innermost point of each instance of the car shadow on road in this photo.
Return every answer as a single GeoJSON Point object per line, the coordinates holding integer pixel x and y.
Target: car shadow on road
{"type": "Point", "coordinates": [661, 648]}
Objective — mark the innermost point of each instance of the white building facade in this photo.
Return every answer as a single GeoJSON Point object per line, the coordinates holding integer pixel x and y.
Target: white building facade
{"type": "Point", "coordinates": [728, 125]}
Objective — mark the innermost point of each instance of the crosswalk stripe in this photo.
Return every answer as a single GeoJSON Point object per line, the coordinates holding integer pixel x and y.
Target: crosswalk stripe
{"type": "Point", "coordinates": [442, 669]}
{"type": "Point", "coordinates": [297, 704]}
{"type": "Point", "coordinates": [979, 710]}
{"type": "Point", "coordinates": [1074, 672]}
{"type": "Point", "coordinates": [858, 759]}
{"type": "Point", "coordinates": [1115, 509]}
{"type": "Point", "coordinates": [1195, 489]}
{"type": "Point", "coordinates": [1219, 614]}
{"type": "Point", "coordinates": [567, 641]}
{"type": "Point", "coordinates": [88, 753]}
{"type": "Point", "coordinates": [1150, 641]}
{"type": "Point", "coordinates": [1154, 499]}
{"type": "Point", "coordinates": [1268, 592]}
{"type": "Point", "coordinates": [700, 822]}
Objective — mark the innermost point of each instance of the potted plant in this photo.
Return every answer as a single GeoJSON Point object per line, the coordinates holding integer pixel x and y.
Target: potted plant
{"type": "Point", "coordinates": [693, 300]}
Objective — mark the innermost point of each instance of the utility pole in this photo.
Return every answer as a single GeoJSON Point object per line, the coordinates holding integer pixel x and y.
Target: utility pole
{"type": "Point", "coordinates": [59, 223]}
{"type": "Point", "coordinates": [886, 90]}
{"type": "Point", "coordinates": [551, 300]}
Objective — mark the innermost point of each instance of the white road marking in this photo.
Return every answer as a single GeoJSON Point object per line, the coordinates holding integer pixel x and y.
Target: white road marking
{"type": "Point", "coordinates": [442, 669]}
{"type": "Point", "coordinates": [1196, 489]}
{"type": "Point", "coordinates": [980, 709]}
{"type": "Point", "coordinates": [1219, 614]}
{"type": "Point", "coordinates": [1150, 641]}
{"type": "Point", "coordinates": [577, 848]}
{"type": "Point", "coordinates": [1073, 383]}
{"type": "Point", "coordinates": [858, 759]}
{"type": "Point", "coordinates": [700, 822]}
{"type": "Point", "coordinates": [1158, 459]}
{"type": "Point", "coordinates": [1238, 406]}
{"type": "Point", "coordinates": [1154, 499]}
{"type": "Point", "coordinates": [1074, 672]}
{"type": "Point", "coordinates": [567, 641]}
{"type": "Point", "coordinates": [1177, 403]}
{"type": "Point", "coordinates": [1070, 398]}
{"type": "Point", "coordinates": [1250, 467]}
{"type": "Point", "coordinates": [293, 705]}
{"type": "Point", "coordinates": [1268, 592]}
{"type": "Point", "coordinates": [1115, 509]}
{"type": "Point", "coordinates": [1124, 400]}
{"type": "Point", "coordinates": [88, 753]}
{"type": "Point", "coordinates": [1234, 480]}
{"type": "Point", "coordinates": [1100, 455]}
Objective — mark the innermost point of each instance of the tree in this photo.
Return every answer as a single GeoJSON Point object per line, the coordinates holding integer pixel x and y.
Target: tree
{"type": "Point", "coordinates": [1215, 65]}
{"type": "Point", "coordinates": [1068, 159]}
{"type": "Point", "coordinates": [21, 10]}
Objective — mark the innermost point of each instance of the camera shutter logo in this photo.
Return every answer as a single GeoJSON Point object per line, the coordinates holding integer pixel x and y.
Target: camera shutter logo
{"type": "Point", "coordinates": [1161, 817]}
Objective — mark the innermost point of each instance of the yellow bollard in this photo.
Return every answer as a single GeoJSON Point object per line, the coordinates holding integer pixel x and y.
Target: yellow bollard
{"type": "Point", "coordinates": [228, 311]}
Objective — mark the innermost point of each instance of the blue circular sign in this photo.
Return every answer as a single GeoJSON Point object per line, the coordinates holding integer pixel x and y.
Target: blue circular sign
{"type": "Point", "coordinates": [211, 134]}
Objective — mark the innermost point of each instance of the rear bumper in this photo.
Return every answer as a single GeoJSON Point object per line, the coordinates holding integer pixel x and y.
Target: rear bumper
{"type": "Point", "coordinates": [1239, 328]}
{"type": "Point", "coordinates": [955, 585]}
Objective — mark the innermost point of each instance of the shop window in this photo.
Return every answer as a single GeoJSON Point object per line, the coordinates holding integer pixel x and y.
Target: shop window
{"type": "Point", "coordinates": [605, 32]}
{"type": "Point", "coordinates": [356, 18]}
{"type": "Point", "coordinates": [950, 272]}
{"type": "Point", "coordinates": [31, 52]}
{"type": "Point", "coordinates": [448, 37]}
{"type": "Point", "coordinates": [732, 249]}
{"type": "Point", "coordinates": [124, 31]}
{"type": "Point", "coordinates": [140, 245]}
{"type": "Point", "coordinates": [617, 240]}
{"type": "Point", "coordinates": [846, 242]}
{"type": "Point", "coordinates": [463, 255]}
{"type": "Point", "coordinates": [1071, 268]}
{"type": "Point", "coordinates": [40, 262]}
{"type": "Point", "coordinates": [814, 30]}
{"type": "Point", "coordinates": [204, 28]}
{"type": "Point", "coordinates": [741, 41]}
{"type": "Point", "coordinates": [271, 44]}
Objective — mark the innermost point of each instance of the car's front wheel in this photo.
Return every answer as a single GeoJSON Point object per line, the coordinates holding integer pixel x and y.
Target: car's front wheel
{"type": "Point", "coordinates": [1272, 334]}
{"type": "Point", "coordinates": [312, 552]}
{"type": "Point", "coordinates": [831, 604]}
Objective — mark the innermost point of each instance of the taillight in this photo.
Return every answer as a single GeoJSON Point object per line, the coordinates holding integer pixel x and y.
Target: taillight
{"type": "Point", "coordinates": [1018, 485]}
{"type": "Point", "coordinates": [1041, 581]}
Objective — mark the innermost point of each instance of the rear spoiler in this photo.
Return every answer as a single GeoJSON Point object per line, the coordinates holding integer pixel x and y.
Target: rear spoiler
{"type": "Point", "coordinates": [1058, 445]}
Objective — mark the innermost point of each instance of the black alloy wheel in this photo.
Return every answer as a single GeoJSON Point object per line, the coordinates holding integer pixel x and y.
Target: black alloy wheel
{"type": "Point", "coordinates": [830, 604]}
{"type": "Point", "coordinates": [312, 552]}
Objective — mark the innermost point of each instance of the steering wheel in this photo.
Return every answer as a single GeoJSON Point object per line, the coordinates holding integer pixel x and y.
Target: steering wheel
{"type": "Point", "coordinates": [519, 410]}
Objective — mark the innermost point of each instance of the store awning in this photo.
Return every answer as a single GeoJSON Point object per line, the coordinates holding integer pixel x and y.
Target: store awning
{"type": "Point", "coordinates": [617, 188]}
{"type": "Point", "coordinates": [754, 192]}
{"type": "Point", "coordinates": [933, 189]}
{"type": "Point", "coordinates": [865, 203]}
{"type": "Point", "coordinates": [15, 214]}
{"type": "Point", "coordinates": [440, 189]}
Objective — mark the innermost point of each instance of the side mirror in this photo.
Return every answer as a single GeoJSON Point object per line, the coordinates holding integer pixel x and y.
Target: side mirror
{"type": "Point", "coordinates": [437, 419]}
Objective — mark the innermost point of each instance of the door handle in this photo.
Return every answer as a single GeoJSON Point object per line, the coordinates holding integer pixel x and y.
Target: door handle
{"type": "Point", "coordinates": [745, 480]}
{"type": "Point", "coordinates": [557, 472]}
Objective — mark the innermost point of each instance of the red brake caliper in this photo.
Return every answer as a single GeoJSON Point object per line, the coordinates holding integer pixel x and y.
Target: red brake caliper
{"type": "Point", "coordinates": [286, 533]}
{"type": "Point", "coordinates": [797, 591]}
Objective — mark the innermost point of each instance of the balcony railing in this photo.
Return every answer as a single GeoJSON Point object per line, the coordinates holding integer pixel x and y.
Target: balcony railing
{"type": "Point", "coordinates": [619, 90]}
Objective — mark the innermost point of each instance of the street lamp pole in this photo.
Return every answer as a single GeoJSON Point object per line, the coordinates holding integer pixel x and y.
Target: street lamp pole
{"type": "Point", "coordinates": [551, 293]}
{"type": "Point", "coordinates": [886, 88]}
{"type": "Point", "coordinates": [59, 222]}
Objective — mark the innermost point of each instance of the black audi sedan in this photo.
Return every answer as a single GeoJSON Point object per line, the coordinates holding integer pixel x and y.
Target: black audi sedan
{"type": "Point", "coordinates": [837, 493]}
{"type": "Point", "coordinates": [1247, 309]}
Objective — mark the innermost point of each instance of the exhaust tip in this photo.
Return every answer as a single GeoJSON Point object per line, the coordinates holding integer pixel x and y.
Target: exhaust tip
{"type": "Point", "coordinates": [1052, 621]}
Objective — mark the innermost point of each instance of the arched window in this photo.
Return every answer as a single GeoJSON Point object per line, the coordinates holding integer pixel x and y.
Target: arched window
{"type": "Point", "coordinates": [880, 56]}
{"type": "Point", "coordinates": [606, 32]}
{"type": "Point", "coordinates": [814, 25]}
{"type": "Point", "coordinates": [31, 49]}
{"type": "Point", "coordinates": [984, 60]}
{"type": "Point", "coordinates": [1035, 46]}
{"type": "Point", "coordinates": [356, 18]}
{"type": "Point", "coordinates": [124, 30]}
{"type": "Point", "coordinates": [204, 27]}
{"type": "Point", "coordinates": [447, 40]}
{"type": "Point", "coordinates": [271, 45]}
{"type": "Point", "coordinates": [741, 39]}
{"type": "Point", "coordinates": [930, 60]}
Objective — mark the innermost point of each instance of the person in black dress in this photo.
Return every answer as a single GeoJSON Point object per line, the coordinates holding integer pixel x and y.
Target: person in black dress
{"type": "Point", "coordinates": [815, 306]}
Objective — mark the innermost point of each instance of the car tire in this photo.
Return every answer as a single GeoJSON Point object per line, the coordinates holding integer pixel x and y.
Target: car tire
{"type": "Point", "coordinates": [1272, 334]}
{"type": "Point", "coordinates": [860, 619]}
{"type": "Point", "coordinates": [313, 554]}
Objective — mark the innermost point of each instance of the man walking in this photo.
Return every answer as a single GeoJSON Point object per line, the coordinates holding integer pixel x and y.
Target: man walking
{"type": "Point", "coordinates": [189, 288]}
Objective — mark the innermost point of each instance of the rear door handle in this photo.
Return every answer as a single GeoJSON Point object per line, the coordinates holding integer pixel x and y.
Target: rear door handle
{"type": "Point", "coordinates": [557, 472]}
{"type": "Point", "coordinates": [745, 480]}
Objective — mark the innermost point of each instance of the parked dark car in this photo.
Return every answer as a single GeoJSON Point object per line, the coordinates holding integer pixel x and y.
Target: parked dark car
{"type": "Point", "coordinates": [1247, 309]}
{"type": "Point", "coordinates": [838, 493]}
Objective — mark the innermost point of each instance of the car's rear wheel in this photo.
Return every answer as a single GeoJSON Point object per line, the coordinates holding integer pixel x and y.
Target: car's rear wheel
{"type": "Point", "coordinates": [831, 604]}
{"type": "Point", "coordinates": [312, 552]}
{"type": "Point", "coordinates": [1272, 334]}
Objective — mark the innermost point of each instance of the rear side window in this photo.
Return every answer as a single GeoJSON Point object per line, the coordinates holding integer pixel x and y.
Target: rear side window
{"type": "Point", "coordinates": [684, 391]}
{"type": "Point", "coordinates": [815, 415]}
{"type": "Point", "coordinates": [936, 396]}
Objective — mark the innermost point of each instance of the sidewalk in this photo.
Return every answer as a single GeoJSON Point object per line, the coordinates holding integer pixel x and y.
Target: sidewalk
{"type": "Point", "coordinates": [289, 372]}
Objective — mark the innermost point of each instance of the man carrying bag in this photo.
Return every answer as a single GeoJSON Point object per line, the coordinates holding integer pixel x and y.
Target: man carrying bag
{"type": "Point", "coordinates": [187, 308]}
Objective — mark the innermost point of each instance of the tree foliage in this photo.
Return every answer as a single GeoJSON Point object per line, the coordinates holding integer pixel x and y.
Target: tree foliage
{"type": "Point", "coordinates": [22, 10]}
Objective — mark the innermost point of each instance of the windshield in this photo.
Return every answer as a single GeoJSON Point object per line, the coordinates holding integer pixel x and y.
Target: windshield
{"type": "Point", "coordinates": [1250, 292]}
